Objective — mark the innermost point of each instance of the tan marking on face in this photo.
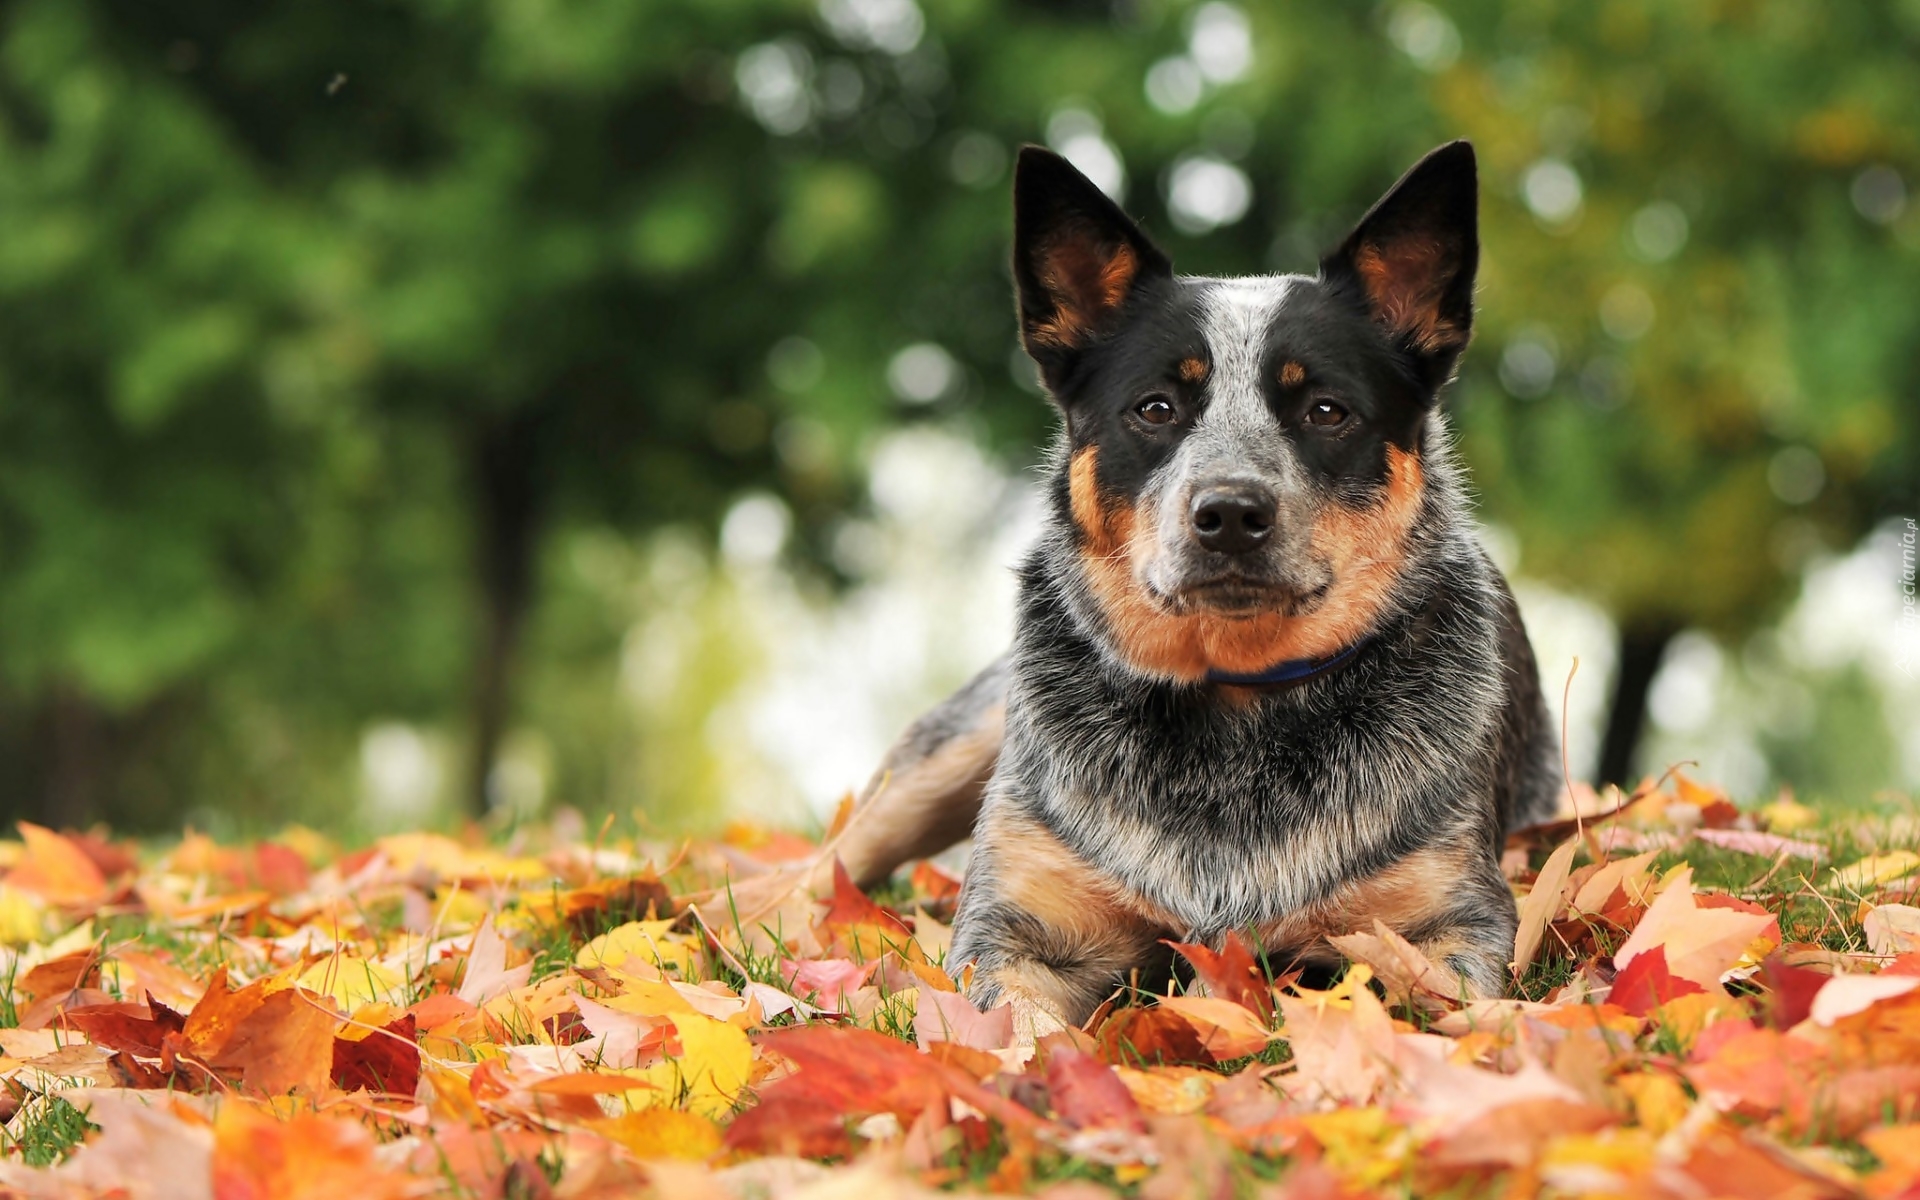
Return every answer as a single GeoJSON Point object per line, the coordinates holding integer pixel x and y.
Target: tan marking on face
{"type": "Point", "coordinates": [1366, 550]}
{"type": "Point", "coordinates": [1193, 370]}
{"type": "Point", "coordinates": [1415, 891]}
{"type": "Point", "coordinates": [1106, 528]}
{"type": "Point", "coordinates": [1292, 374]}
{"type": "Point", "coordinates": [1362, 549]}
{"type": "Point", "coordinates": [1086, 281]}
{"type": "Point", "coordinates": [1405, 280]}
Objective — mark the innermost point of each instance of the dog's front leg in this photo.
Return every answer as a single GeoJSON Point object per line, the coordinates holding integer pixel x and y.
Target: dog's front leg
{"type": "Point", "coordinates": [1472, 935]}
{"type": "Point", "coordinates": [927, 791]}
{"type": "Point", "coordinates": [1448, 898]}
{"type": "Point", "coordinates": [1040, 928]}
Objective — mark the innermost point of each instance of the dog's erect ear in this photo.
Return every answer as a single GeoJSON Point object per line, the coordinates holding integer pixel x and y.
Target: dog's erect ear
{"type": "Point", "coordinates": [1413, 256]}
{"type": "Point", "coordinates": [1076, 257]}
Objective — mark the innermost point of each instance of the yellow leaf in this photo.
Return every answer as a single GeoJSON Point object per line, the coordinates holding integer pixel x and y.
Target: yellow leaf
{"type": "Point", "coordinates": [450, 1096]}
{"type": "Point", "coordinates": [461, 909]}
{"type": "Point", "coordinates": [930, 975]}
{"type": "Point", "coordinates": [1625, 1152]}
{"type": "Point", "coordinates": [73, 941]}
{"type": "Point", "coordinates": [711, 1070]}
{"type": "Point", "coordinates": [662, 1133]}
{"type": "Point", "coordinates": [866, 941]}
{"type": "Point", "coordinates": [24, 919]}
{"type": "Point", "coordinates": [1365, 1146]}
{"type": "Point", "coordinates": [1659, 1102]}
{"type": "Point", "coordinates": [1687, 1017]}
{"type": "Point", "coordinates": [450, 860]}
{"type": "Point", "coordinates": [1873, 870]}
{"type": "Point", "coordinates": [1696, 794]}
{"type": "Point", "coordinates": [1178, 1090]}
{"type": "Point", "coordinates": [354, 982]}
{"type": "Point", "coordinates": [648, 941]}
{"type": "Point", "coordinates": [367, 1021]}
{"type": "Point", "coordinates": [715, 1061]}
{"type": "Point", "coordinates": [648, 998]}
{"type": "Point", "coordinates": [1788, 816]}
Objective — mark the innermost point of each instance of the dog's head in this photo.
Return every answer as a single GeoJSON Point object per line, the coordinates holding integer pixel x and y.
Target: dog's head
{"type": "Point", "coordinates": [1243, 454]}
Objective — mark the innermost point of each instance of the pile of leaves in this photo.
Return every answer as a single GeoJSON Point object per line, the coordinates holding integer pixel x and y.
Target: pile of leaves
{"type": "Point", "coordinates": [1706, 1002]}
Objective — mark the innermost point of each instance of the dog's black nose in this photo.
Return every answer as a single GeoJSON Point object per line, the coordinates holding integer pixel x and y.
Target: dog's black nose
{"type": "Point", "coordinates": [1232, 520]}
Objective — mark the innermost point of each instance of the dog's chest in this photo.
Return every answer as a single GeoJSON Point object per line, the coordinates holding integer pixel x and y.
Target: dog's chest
{"type": "Point", "coordinates": [1217, 833]}
{"type": "Point", "coordinates": [1206, 882]}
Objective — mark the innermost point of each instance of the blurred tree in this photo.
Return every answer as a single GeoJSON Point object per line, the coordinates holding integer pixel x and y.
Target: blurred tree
{"type": "Point", "coordinates": [1701, 264]}
{"type": "Point", "coordinates": [318, 322]}
{"type": "Point", "coordinates": [144, 496]}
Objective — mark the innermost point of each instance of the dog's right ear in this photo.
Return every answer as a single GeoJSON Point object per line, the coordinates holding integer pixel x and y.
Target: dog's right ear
{"type": "Point", "coordinates": [1077, 258]}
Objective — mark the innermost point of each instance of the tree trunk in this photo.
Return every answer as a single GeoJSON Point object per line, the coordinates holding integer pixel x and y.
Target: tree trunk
{"type": "Point", "coordinates": [1642, 645]}
{"type": "Point", "coordinates": [75, 747]}
{"type": "Point", "coordinates": [508, 503]}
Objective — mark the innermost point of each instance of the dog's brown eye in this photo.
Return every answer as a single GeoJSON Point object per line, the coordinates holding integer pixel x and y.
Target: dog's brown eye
{"type": "Point", "coordinates": [1156, 410]}
{"type": "Point", "coordinates": [1326, 414]}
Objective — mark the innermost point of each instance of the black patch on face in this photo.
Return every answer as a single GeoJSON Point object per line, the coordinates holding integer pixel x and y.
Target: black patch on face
{"type": "Point", "coordinates": [1139, 364]}
{"type": "Point", "coordinates": [1346, 361]}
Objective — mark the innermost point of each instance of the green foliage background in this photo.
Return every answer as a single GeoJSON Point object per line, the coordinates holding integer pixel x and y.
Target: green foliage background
{"type": "Point", "coordinates": [328, 332]}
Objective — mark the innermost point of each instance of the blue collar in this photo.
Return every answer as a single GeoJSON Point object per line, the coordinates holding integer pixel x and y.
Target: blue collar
{"type": "Point", "coordinates": [1294, 670]}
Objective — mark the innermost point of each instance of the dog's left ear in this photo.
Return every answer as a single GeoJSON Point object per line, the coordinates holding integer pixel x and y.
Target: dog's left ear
{"type": "Point", "coordinates": [1412, 258]}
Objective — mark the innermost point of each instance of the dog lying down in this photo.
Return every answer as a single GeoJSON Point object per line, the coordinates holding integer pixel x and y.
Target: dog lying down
{"type": "Point", "coordinates": [1263, 676]}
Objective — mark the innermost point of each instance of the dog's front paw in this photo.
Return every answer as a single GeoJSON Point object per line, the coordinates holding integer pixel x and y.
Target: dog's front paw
{"type": "Point", "coordinates": [1033, 1020]}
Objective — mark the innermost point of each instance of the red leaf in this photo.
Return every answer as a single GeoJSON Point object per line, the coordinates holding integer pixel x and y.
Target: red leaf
{"type": "Point", "coordinates": [1903, 964]}
{"type": "Point", "coordinates": [271, 1041]}
{"type": "Point", "coordinates": [1755, 1072]}
{"type": "Point", "coordinates": [1133, 1037]}
{"type": "Point", "coordinates": [1718, 1035]}
{"type": "Point", "coordinates": [440, 1009]}
{"type": "Point", "coordinates": [855, 1072]}
{"type": "Point", "coordinates": [278, 869]}
{"type": "Point", "coordinates": [1645, 983]}
{"type": "Point", "coordinates": [136, 1028]}
{"type": "Point", "coordinates": [851, 907]}
{"type": "Point", "coordinates": [791, 1125]}
{"type": "Point", "coordinates": [382, 1064]}
{"type": "Point", "coordinates": [1728, 1162]}
{"type": "Point", "coordinates": [113, 858]}
{"type": "Point", "coordinates": [1790, 991]}
{"type": "Point", "coordinates": [1086, 1092]}
{"type": "Point", "coordinates": [935, 884]}
{"type": "Point", "coordinates": [351, 864]}
{"type": "Point", "coordinates": [1231, 974]}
